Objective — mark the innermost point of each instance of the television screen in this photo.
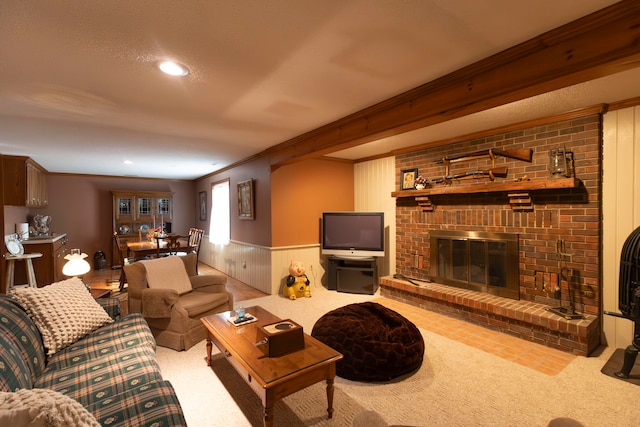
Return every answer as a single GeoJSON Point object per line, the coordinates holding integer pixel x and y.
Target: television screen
{"type": "Point", "coordinates": [353, 234]}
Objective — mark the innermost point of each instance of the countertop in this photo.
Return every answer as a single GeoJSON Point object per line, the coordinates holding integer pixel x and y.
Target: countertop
{"type": "Point", "coordinates": [51, 238]}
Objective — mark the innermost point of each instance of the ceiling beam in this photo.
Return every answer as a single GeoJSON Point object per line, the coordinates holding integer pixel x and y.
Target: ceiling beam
{"type": "Point", "coordinates": [603, 43]}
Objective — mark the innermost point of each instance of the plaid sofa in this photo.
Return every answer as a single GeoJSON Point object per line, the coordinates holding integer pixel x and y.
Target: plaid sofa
{"type": "Point", "coordinates": [112, 372]}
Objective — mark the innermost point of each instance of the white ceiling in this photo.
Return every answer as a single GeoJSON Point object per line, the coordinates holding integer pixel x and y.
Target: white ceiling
{"type": "Point", "coordinates": [80, 92]}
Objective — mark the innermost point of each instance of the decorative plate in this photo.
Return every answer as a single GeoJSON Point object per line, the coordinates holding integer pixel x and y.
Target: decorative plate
{"type": "Point", "coordinates": [144, 228]}
{"type": "Point", "coordinates": [13, 245]}
{"type": "Point", "coordinates": [124, 229]}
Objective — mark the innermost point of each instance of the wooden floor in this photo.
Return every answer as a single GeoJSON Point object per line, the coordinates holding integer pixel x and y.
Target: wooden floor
{"type": "Point", "coordinates": [526, 353]}
{"type": "Point", "coordinates": [108, 278]}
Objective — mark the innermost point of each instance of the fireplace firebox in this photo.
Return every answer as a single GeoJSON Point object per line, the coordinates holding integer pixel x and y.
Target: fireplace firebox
{"type": "Point", "coordinates": [479, 261]}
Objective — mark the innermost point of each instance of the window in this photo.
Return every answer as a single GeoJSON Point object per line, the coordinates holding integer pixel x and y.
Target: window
{"type": "Point", "coordinates": [219, 223]}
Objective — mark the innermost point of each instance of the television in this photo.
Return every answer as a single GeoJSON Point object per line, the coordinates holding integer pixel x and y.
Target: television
{"type": "Point", "coordinates": [353, 234]}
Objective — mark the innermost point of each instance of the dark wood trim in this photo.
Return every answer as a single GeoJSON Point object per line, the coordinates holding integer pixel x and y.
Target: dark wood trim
{"type": "Point", "coordinates": [594, 46]}
{"type": "Point", "coordinates": [627, 103]}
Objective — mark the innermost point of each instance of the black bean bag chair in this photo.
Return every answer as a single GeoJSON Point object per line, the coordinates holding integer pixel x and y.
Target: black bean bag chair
{"type": "Point", "coordinates": [377, 343]}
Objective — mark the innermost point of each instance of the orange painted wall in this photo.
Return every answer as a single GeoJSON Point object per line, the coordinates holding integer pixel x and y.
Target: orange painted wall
{"type": "Point", "coordinates": [301, 191]}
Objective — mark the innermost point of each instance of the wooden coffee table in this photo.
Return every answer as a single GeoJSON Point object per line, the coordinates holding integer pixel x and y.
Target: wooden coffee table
{"type": "Point", "coordinates": [271, 378]}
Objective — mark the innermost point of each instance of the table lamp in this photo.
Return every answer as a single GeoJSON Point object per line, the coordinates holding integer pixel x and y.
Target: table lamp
{"type": "Point", "coordinates": [76, 265]}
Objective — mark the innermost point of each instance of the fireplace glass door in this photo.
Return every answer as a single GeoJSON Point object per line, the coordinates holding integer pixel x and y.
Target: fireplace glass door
{"type": "Point", "coordinates": [486, 262]}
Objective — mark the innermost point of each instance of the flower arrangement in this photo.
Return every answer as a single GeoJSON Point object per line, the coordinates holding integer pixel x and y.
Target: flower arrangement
{"type": "Point", "coordinates": [420, 182]}
{"type": "Point", "coordinates": [154, 232]}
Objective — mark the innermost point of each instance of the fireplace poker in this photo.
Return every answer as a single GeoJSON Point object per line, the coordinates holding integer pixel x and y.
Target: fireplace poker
{"type": "Point", "coordinates": [411, 280]}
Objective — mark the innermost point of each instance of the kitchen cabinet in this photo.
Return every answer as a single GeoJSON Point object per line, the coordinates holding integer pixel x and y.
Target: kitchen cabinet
{"type": "Point", "coordinates": [136, 212]}
{"type": "Point", "coordinates": [24, 182]}
{"type": "Point", "coordinates": [48, 268]}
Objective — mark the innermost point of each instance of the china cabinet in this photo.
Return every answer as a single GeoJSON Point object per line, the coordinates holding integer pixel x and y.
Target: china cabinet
{"type": "Point", "coordinates": [137, 212]}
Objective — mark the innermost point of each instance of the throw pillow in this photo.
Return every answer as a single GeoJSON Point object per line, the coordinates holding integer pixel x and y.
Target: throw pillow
{"type": "Point", "coordinates": [64, 312]}
{"type": "Point", "coordinates": [42, 407]}
{"type": "Point", "coordinates": [167, 273]}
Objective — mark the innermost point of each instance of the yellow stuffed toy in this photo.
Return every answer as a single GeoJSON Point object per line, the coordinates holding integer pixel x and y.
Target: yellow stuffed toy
{"type": "Point", "coordinates": [297, 284]}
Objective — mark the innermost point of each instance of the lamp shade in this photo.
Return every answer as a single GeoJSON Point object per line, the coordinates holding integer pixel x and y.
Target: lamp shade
{"type": "Point", "coordinates": [76, 264]}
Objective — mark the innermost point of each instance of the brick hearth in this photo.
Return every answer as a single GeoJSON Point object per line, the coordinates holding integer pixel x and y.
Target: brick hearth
{"type": "Point", "coordinates": [522, 319]}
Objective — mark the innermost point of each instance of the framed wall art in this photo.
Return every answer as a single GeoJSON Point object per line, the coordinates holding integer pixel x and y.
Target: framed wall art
{"type": "Point", "coordinates": [407, 177]}
{"type": "Point", "coordinates": [245, 200]}
{"type": "Point", "coordinates": [203, 205]}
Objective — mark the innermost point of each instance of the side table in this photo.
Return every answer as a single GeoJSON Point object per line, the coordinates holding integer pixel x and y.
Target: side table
{"type": "Point", "coordinates": [31, 275]}
{"type": "Point", "coordinates": [100, 293]}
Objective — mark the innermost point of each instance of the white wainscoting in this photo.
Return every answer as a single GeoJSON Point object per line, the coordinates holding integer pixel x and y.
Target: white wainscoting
{"type": "Point", "coordinates": [261, 267]}
{"type": "Point", "coordinates": [308, 254]}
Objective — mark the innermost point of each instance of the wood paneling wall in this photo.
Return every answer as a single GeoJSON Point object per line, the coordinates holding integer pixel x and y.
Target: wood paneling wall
{"type": "Point", "coordinates": [373, 184]}
{"type": "Point", "coordinates": [620, 211]}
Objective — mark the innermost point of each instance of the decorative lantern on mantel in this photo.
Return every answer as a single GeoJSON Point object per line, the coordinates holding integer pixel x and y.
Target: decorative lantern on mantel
{"type": "Point", "coordinates": [560, 163]}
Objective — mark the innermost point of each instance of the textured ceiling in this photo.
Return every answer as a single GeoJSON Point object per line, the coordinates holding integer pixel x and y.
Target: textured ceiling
{"type": "Point", "coordinates": [80, 92]}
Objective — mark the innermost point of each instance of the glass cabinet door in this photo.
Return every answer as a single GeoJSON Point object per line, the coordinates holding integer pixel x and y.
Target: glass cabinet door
{"type": "Point", "coordinates": [144, 206]}
{"type": "Point", "coordinates": [124, 209]}
{"type": "Point", "coordinates": [164, 206]}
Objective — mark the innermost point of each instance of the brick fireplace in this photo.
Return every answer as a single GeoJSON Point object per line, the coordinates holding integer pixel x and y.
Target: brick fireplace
{"type": "Point", "coordinates": [556, 222]}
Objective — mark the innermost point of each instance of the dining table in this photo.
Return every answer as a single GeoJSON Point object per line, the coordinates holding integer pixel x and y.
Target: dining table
{"type": "Point", "coordinates": [168, 244]}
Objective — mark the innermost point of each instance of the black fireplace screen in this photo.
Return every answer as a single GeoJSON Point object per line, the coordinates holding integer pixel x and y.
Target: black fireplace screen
{"type": "Point", "coordinates": [485, 262]}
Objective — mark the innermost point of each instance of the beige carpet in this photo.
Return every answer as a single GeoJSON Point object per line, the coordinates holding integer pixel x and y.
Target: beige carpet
{"type": "Point", "coordinates": [457, 385]}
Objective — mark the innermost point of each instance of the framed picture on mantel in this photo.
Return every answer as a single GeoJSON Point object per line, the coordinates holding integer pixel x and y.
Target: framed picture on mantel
{"type": "Point", "coordinates": [407, 177]}
{"type": "Point", "coordinates": [245, 200]}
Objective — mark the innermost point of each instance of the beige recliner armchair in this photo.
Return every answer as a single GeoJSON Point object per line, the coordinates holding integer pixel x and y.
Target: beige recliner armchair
{"type": "Point", "coordinates": [175, 302]}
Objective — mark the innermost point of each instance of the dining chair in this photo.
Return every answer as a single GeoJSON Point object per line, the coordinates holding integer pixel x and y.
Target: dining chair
{"type": "Point", "coordinates": [172, 244]}
{"type": "Point", "coordinates": [193, 243]}
{"type": "Point", "coordinates": [122, 257]}
{"type": "Point", "coordinates": [195, 240]}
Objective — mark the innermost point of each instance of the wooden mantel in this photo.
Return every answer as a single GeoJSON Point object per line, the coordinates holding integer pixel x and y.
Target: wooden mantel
{"type": "Point", "coordinates": [492, 187]}
{"type": "Point", "coordinates": [518, 191]}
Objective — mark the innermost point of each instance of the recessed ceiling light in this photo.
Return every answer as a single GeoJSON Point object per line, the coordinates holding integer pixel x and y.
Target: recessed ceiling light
{"type": "Point", "coordinates": [128, 162]}
{"type": "Point", "coordinates": [173, 68]}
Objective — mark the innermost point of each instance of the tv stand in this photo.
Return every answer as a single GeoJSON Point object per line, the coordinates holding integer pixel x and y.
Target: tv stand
{"type": "Point", "coordinates": [353, 275]}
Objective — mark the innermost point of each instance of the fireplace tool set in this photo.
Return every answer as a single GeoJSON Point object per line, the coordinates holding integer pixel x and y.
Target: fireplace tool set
{"type": "Point", "coordinates": [629, 297]}
{"type": "Point", "coordinates": [568, 312]}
